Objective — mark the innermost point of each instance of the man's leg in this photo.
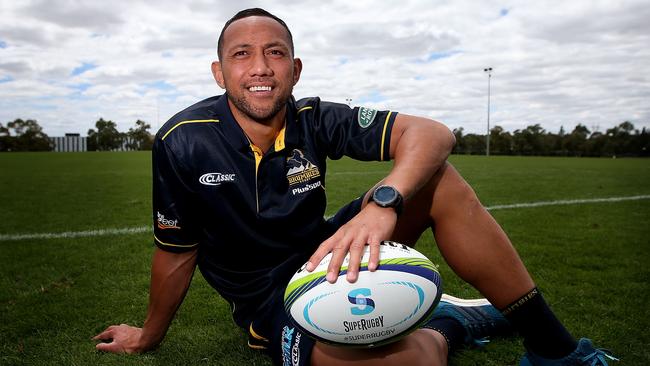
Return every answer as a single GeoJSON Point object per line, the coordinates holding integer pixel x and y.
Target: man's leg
{"type": "Point", "coordinates": [422, 347]}
{"type": "Point", "coordinates": [469, 239]}
{"type": "Point", "coordinates": [478, 250]}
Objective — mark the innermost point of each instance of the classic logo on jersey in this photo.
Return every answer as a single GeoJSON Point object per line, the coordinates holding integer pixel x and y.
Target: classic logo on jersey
{"type": "Point", "coordinates": [215, 179]}
{"type": "Point", "coordinates": [366, 116]}
{"type": "Point", "coordinates": [300, 170]}
{"type": "Point", "coordinates": [164, 223]}
{"type": "Point", "coordinates": [290, 353]}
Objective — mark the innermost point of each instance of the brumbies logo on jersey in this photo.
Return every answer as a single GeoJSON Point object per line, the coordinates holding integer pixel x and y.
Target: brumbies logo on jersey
{"type": "Point", "coordinates": [301, 170]}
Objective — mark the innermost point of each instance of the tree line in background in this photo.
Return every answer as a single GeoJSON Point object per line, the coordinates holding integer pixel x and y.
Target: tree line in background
{"type": "Point", "coordinates": [27, 135]}
{"type": "Point", "coordinates": [622, 140]}
{"type": "Point", "coordinates": [106, 137]}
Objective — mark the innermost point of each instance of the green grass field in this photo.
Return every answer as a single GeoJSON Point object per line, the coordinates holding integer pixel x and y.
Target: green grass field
{"type": "Point", "coordinates": [590, 260]}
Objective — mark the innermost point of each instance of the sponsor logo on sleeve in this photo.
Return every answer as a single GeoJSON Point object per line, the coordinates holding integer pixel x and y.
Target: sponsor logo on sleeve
{"type": "Point", "coordinates": [366, 116]}
{"type": "Point", "coordinates": [165, 223]}
{"type": "Point", "coordinates": [215, 179]}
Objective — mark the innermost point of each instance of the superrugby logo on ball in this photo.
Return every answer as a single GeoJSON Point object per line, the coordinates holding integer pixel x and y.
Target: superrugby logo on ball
{"type": "Point", "coordinates": [380, 307]}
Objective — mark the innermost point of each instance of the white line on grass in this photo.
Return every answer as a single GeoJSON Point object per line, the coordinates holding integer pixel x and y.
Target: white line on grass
{"type": "Point", "coordinates": [75, 234]}
{"type": "Point", "coordinates": [567, 202]}
{"type": "Point", "coordinates": [144, 229]}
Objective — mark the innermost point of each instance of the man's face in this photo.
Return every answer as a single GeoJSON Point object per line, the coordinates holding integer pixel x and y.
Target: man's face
{"type": "Point", "coordinates": [257, 68]}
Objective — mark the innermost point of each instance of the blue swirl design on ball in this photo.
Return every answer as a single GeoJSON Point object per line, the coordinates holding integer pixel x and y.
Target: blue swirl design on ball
{"type": "Point", "coordinates": [305, 313]}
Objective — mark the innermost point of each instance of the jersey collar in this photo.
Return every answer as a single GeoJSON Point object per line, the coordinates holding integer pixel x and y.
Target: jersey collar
{"type": "Point", "coordinates": [288, 136]}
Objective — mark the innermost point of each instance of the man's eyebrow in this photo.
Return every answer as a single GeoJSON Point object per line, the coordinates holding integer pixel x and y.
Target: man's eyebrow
{"type": "Point", "coordinates": [243, 45]}
{"type": "Point", "coordinates": [276, 44]}
{"type": "Point", "coordinates": [268, 45]}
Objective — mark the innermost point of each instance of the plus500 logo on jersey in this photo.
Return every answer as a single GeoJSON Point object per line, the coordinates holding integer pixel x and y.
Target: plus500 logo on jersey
{"type": "Point", "coordinates": [360, 297]}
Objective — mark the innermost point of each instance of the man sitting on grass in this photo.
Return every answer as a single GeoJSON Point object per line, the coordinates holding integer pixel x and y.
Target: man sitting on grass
{"type": "Point", "coordinates": [238, 189]}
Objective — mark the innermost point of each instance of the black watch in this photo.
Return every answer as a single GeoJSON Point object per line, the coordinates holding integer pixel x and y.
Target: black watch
{"type": "Point", "coordinates": [388, 196]}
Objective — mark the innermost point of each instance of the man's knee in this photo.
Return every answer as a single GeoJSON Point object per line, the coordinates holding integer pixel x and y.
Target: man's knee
{"type": "Point", "coordinates": [451, 193]}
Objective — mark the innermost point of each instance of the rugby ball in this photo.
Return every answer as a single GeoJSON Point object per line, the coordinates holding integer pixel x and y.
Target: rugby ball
{"type": "Point", "coordinates": [380, 307]}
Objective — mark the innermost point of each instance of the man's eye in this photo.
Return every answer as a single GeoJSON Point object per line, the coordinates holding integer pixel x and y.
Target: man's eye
{"type": "Point", "coordinates": [276, 52]}
{"type": "Point", "coordinates": [240, 53]}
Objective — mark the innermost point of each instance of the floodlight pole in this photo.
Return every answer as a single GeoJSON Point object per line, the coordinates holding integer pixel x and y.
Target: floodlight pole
{"type": "Point", "coordinates": [489, 72]}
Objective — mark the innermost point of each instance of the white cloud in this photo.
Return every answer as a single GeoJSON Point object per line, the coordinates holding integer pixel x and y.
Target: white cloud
{"type": "Point", "coordinates": [555, 63]}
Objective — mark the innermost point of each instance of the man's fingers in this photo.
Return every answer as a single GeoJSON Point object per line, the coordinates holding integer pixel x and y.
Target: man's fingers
{"type": "Point", "coordinates": [356, 253]}
{"type": "Point", "coordinates": [319, 254]}
{"type": "Point", "coordinates": [112, 347]}
{"type": "Point", "coordinates": [338, 254]}
{"type": "Point", "coordinates": [106, 334]}
{"type": "Point", "coordinates": [373, 261]}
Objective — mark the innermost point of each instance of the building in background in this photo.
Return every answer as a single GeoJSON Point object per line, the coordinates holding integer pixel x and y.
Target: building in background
{"type": "Point", "coordinates": [71, 142]}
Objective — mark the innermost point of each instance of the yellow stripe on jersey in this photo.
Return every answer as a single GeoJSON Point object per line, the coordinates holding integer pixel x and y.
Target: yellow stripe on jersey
{"type": "Point", "coordinates": [383, 137]}
{"type": "Point", "coordinates": [258, 155]}
{"type": "Point", "coordinates": [175, 245]}
{"type": "Point", "coordinates": [255, 335]}
{"type": "Point", "coordinates": [254, 346]}
{"type": "Point", "coordinates": [305, 108]}
{"type": "Point", "coordinates": [189, 121]}
{"type": "Point", "coordinates": [279, 140]}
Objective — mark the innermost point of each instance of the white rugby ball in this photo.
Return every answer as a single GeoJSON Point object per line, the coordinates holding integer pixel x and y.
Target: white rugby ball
{"type": "Point", "coordinates": [380, 307]}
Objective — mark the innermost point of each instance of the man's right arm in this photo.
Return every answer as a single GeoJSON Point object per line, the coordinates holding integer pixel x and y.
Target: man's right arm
{"type": "Point", "coordinates": [171, 274]}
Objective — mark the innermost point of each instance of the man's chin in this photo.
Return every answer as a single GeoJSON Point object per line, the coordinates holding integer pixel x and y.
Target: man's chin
{"type": "Point", "coordinates": [259, 113]}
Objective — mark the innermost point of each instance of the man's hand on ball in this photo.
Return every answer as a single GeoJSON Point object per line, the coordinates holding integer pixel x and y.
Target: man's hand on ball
{"type": "Point", "coordinates": [372, 225]}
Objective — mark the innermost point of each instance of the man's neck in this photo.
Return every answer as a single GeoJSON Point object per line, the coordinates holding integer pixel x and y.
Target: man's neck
{"type": "Point", "coordinates": [260, 133]}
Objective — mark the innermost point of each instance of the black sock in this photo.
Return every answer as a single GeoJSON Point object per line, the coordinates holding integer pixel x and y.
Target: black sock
{"type": "Point", "coordinates": [451, 329]}
{"type": "Point", "coordinates": [542, 331]}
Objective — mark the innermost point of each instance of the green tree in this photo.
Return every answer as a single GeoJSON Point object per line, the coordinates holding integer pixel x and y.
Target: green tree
{"type": "Point", "coordinates": [575, 143]}
{"type": "Point", "coordinates": [106, 137]}
{"type": "Point", "coordinates": [4, 138]}
{"type": "Point", "coordinates": [500, 141]}
{"type": "Point", "coordinates": [596, 144]}
{"type": "Point", "coordinates": [475, 144]}
{"type": "Point", "coordinates": [139, 137]}
{"type": "Point", "coordinates": [529, 141]}
{"type": "Point", "coordinates": [619, 140]}
{"type": "Point", "coordinates": [26, 135]}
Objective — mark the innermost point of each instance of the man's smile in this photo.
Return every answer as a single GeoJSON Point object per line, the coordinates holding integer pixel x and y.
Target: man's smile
{"type": "Point", "coordinates": [254, 89]}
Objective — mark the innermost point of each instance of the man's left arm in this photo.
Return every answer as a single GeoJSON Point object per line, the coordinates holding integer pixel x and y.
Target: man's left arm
{"type": "Point", "coordinates": [419, 147]}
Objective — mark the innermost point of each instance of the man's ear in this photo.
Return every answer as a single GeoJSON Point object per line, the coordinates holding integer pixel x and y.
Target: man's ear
{"type": "Point", "coordinates": [218, 74]}
{"type": "Point", "coordinates": [297, 69]}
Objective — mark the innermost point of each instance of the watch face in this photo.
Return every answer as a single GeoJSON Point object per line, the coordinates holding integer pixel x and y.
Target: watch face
{"type": "Point", "coordinates": [385, 195]}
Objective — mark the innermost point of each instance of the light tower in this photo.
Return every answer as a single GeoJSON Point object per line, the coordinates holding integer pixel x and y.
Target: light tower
{"type": "Point", "coordinates": [489, 72]}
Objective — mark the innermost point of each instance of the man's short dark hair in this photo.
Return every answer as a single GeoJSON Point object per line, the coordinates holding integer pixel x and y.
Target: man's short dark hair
{"type": "Point", "coordinates": [253, 12]}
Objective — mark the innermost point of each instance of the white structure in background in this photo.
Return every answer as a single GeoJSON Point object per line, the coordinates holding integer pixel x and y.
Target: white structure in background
{"type": "Point", "coordinates": [71, 142]}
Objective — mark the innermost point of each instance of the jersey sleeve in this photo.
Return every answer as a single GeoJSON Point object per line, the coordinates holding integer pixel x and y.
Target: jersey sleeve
{"type": "Point", "coordinates": [174, 221]}
{"type": "Point", "coordinates": [360, 133]}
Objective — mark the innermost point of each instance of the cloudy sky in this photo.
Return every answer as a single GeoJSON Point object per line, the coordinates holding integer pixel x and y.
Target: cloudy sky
{"type": "Point", "coordinates": [66, 63]}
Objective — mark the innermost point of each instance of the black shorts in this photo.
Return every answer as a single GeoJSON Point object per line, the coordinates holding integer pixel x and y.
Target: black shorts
{"type": "Point", "coordinates": [273, 332]}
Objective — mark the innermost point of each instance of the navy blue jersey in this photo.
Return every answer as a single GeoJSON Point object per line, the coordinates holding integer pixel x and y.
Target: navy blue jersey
{"type": "Point", "coordinates": [255, 217]}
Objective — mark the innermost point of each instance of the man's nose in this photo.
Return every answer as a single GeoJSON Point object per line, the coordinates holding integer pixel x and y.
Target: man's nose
{"type": "Point", "coordinates": [260, 65]}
